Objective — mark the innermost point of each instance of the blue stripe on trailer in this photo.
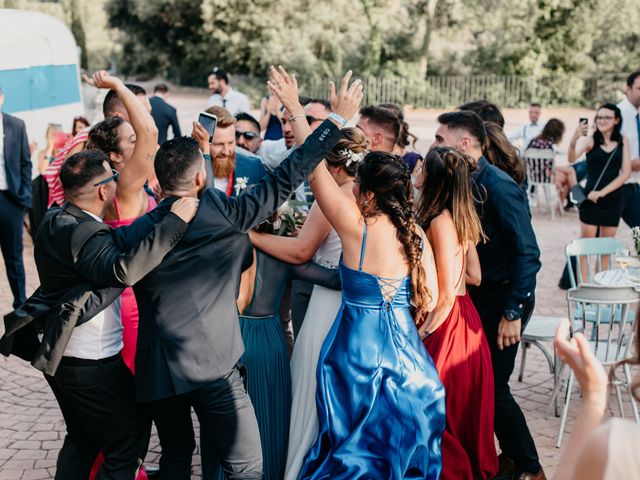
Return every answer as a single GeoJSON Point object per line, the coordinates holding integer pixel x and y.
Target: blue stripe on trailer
{"type": "Point", "coordinates": [39, 87]}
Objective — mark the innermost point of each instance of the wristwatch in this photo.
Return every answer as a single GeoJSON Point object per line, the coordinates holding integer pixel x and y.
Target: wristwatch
{"type": "Point", "coordinates": [511, 315]}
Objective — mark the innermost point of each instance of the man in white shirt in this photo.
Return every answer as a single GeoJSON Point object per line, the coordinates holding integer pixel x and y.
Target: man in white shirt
{"type": "Point", "coordinates": [224, 96]}
{"type": "Point", "coordinates": [531, 130]}
{"type": "Point", "coordinates": [631, 129]}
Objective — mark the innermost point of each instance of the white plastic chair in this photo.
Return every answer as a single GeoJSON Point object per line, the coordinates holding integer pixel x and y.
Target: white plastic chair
{"type": "Point", "coordinates": [539, 163]}
{"type": "Point", "coordinates": [613, 338]}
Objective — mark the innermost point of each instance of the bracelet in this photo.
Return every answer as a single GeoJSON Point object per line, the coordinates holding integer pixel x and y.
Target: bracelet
{"type": "Point", "coordinates": [293, 118]}
{"type": "Point", "coordinates": [337, 118]}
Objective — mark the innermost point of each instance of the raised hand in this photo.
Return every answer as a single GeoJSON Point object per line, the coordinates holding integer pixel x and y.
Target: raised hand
{"type": "Point", "coordinates": [285, 87]}
{"type": "Point", "coordinates": [202, 137]}
{"type": "Point", "coordinates": [346, 102]}
{"type": "Point", "coordinates": [102, 79]}
{"type": "Point", "coordinates": [577, 353]}
{"type": "Point", "coordinates": [185, 208]}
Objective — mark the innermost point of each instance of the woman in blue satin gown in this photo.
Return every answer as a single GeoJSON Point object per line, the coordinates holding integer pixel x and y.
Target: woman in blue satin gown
{"type": "Point", "coordinates": [379, 399]}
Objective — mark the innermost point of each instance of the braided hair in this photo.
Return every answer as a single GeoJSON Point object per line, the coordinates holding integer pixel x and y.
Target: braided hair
{"type": "Point", "coordinates": [387, 177]}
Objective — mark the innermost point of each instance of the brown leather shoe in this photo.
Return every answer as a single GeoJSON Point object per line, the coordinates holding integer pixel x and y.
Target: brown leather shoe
{"type": "Point", "coordinates": [533, 476]}
{"type": "Point", "coordinates": [506, 469]}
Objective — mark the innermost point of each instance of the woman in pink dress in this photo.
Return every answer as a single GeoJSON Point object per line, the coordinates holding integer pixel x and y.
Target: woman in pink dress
{"type": "Point", "coordinates": [452, 332]}
{"type": "Point", "coordinates": [131, 148]}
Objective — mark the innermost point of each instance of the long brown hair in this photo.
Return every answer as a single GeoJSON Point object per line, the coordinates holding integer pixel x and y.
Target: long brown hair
{"type": "Point", "coordinates": [387, 177]}
{"type": "Point", "coordinates": [499, 152]}
{"type": "Point", "coordinates": [447, 185]}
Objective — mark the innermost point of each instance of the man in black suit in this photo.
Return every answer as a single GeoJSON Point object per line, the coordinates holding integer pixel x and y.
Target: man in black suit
{"type": "Point", "coordinates": [80, 338]}
{"type": "Point", "coordinates": [189, 342]}
{"type": "Point", "coordinates": [163, 114]}
{"type": "Point", "coordinates": [15, 197]}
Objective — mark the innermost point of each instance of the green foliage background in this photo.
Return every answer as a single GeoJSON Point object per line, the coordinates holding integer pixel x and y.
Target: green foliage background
{"type": "Point", "coordinates": [181, 40]}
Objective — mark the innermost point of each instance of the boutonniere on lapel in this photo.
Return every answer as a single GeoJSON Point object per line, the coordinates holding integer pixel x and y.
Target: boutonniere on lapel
{"type": "Point", "coordinates": [242, 183]}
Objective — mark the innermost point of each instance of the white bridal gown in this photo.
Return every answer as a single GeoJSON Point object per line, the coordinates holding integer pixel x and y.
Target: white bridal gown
{"type": "Point", "coordinates": [321, 313]}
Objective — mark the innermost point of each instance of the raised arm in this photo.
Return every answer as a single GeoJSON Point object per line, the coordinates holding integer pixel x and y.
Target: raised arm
{"type": "Point", "coordinates": [580, 143]}
{"type": "Point", "coordinates": [298, 249]}
{"type": "Point", "coordinates": [285, 87]}
{"type": "Point", "coordinates": [138, 169]}
{"type": "Point", "coordinates": [339, 208]}
{"type": "Point", "coordinates": [251, 207]}
{"type": "Point", "coordinates": [98, 259]}
{"type": "Point", "coordinates": [592, 378]}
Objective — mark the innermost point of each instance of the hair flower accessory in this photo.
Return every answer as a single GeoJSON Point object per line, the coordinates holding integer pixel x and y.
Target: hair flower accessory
{"type": "Point", "coordinates": [352, 157]}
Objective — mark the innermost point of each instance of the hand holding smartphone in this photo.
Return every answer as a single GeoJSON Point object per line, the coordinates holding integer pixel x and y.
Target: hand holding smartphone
{"type": "Point", "coordinates": [584, 122]}
{"type": "Point", "coordinates": [208, 121]}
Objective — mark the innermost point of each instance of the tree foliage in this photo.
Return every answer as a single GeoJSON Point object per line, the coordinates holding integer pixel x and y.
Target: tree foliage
{"type": "Point", "coordinates": [182, 39]}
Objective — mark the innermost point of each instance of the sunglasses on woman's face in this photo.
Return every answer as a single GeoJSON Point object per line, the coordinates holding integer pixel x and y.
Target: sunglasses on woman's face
{"type": "Point", "coordinates": [113, 177]}
{"type": "Point", "coordinates": [246, 135]}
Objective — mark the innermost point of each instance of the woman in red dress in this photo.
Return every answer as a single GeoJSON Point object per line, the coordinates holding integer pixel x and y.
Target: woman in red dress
{"type": "Point", "coordinates": [453, 332]}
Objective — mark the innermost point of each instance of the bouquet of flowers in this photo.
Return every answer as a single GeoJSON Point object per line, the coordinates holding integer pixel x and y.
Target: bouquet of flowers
{"type": "Point", "coordinates": [290, 217]}
{"type": "Point", "coordinates": [635, 233]}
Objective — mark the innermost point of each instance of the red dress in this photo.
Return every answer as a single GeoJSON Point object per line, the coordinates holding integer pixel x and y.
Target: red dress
{"type": "Point", "coordinates": [461, 354]}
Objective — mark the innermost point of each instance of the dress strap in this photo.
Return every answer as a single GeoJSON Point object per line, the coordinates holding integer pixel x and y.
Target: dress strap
{"type": "Point", "coordinates": [463, 270]}
{"type": "Point", "coordinates": [364, 246]}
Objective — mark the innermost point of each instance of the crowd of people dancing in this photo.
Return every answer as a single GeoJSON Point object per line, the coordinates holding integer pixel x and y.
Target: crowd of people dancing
{"type": "Point", "coordinates": [330, 302]}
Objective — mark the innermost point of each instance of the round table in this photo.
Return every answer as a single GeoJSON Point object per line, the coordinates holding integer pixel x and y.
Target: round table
{"type": "Point", "coordinates": [618, 277]}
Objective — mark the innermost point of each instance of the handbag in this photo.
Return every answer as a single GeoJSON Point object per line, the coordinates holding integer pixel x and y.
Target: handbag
{"type": "Point", "coordinates": [577, 195]}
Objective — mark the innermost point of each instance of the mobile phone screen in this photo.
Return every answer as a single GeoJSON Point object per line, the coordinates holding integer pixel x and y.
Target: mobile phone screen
{"type": "Point", "coordinates": [209, 123]}
{"type": "Point", "coordinates": [584, 121]}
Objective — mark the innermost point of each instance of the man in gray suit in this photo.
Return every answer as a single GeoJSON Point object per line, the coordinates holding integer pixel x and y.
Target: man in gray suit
{"type": "Point", "coordinates": [15, 197]}
{"type": "Point", "coordinates": [189, 342]}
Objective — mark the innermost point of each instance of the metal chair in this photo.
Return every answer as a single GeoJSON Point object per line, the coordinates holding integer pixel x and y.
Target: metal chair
{"type": "Point", "coordinates": [540, 331]}
{"type": "Point", "coordinates": [539, 163]}
{"type": "Point", "coordinates": [612, 341]}
{"type": "Point", "coordinates": [586, 248]}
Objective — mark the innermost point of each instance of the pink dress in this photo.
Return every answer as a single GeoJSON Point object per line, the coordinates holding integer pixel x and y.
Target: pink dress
{"type": "Point", "coordinates": [129, 316]}
{"type": "Point", "coordinates": [128, 305]}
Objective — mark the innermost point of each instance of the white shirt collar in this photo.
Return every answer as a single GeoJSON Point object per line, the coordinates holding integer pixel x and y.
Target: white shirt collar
{"type": "Point", "coordinates": [97, 218]}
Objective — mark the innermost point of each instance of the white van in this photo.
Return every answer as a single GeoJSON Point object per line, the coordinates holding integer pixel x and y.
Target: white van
{"type": "Point", "coordinates": [39, 71]}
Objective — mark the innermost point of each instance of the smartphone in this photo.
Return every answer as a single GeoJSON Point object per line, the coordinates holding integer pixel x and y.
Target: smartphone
{"type": "Point", "coordinates": [584, 121]}
{"type": "Point", "coordinates": [208, 121]}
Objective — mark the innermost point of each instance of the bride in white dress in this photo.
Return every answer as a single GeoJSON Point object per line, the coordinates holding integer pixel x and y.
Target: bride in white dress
{"type": "Point", "coordinates": [317, 241]}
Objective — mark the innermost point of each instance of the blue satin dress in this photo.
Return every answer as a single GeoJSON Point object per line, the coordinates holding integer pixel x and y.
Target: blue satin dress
{"type": "Point", "coordinates": [379, 399]}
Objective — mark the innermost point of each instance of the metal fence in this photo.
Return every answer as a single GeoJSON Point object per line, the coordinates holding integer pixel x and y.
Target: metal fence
{"type": "Point", "coordinates": [504, 90]}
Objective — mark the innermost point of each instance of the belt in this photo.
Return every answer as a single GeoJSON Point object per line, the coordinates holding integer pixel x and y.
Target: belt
{"type": "Point", "coordinates": [86, 362]}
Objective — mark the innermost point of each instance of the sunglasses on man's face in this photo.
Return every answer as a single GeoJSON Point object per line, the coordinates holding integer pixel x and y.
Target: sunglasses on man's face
{"type": "Point", "coordinates": [113, 177]}
{"type": "Point", "coordinates": [246, 135]}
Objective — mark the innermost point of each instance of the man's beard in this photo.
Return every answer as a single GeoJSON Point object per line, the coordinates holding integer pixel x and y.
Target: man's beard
{"type": "Point", "coordinates": [223, 166]}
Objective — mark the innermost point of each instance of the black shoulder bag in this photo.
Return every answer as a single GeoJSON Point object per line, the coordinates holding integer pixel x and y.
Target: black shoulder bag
{"type": "Point", "coordinates": [577, 196]}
